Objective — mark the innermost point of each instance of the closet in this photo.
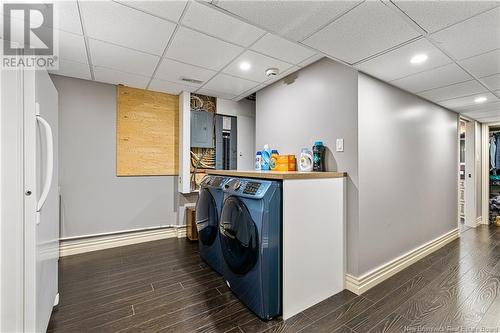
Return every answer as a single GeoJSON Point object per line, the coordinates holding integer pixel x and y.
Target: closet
{"type": "Point", "coordinates": [494, 154]}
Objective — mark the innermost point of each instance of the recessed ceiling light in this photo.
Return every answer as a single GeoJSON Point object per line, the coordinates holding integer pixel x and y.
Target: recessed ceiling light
{"type": "Point", "coordinates": [480, 99]}
{"type": "Point", "coordinates": [244, 66]}
{"type": "Point", "coordinates": [419, 58]}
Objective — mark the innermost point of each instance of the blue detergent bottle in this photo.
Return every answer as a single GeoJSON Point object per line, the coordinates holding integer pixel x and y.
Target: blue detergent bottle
{"type": "Point", "coordinates": [266, 158]}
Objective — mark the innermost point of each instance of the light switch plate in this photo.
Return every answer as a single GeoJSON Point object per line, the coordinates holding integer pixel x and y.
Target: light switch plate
{"type": "Point", "coordinates": [340, 145]}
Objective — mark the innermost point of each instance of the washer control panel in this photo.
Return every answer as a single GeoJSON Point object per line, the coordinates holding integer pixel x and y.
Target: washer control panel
{"type": "Point", "coordinates": [252, 188]}
{"type": "Point", "coordinates": [249, 188]}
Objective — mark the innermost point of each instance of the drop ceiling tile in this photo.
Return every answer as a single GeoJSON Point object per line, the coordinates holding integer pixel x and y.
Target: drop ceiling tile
{"type": "Point", "coordinates": [366, 30]}
{"type": "Point", "coordinates": [259, 64]}
{"type": "Point", "coordinates": [396, 64]}
{"type": "Point", "coordinates": [217, 24]}
{"type": "Point", "coordinates": [474, 36]}
{"type": "Point", "coordinates": [483, 64]}
{"type": "Point", "coordinates": [65, 16]}
{"type": "Point", "coordinates": [283, 49]}
{"type": "Point", "coordinates": [66, 45]}
{"type": "Point", "coordinates": [484, 107]}
{"type": "Point", "coordinates": [68, 16]}
{"type": "Point", "coordinates": [493, 115]}
{"type": "Point", "coordinates": [492, 81]}
{"type": "Point", "coordinates": [217, 94]}
{"type": "Point", "coordinates": [173, 71]}
{"type": "Point", "coordinates": [121, 58]}
{"type": "Point", "coordinates": [249, 92]}
{"type": "Point", "coordinates": [112, 76]}
{"type": "Point", "coordinates": [201, 50]}
{"type": "Point", "coordinates": [72, 69]}
{"type": "Point", "coordinates": [229, 85]}
{"type": "Point", "coordinates": [118, 24]}
{"type": "Point", "coordinates": [311, 60]}
{"type": "Point", "coordinates": [493, 119]}
{"type": "Point", "coordinates": [293, 19]}
{"type": "Point", "coordinates": [72, 47]}
{"type": "Point", "coordinates": [170, 10]}
{"type": "Point", "coordinates": [436, 15]}
{"type": "Point", "coordinates": [462, 102]}
{"type": "Point", "coordinates": [454, 91]}
{"type": "Point", "coordinates": [483, 114]}
{"type": "Point", "coordinates": [434, 78]}
{"type": "Point", "coordinates": [169, 87]}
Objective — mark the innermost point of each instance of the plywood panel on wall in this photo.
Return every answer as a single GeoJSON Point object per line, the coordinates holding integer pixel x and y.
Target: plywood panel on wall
{"type": "Point", "coordinates": [147, 133]}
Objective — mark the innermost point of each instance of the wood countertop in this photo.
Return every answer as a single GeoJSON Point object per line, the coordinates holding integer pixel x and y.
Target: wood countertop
{"type": "Point", "coordinates": [278, 175]}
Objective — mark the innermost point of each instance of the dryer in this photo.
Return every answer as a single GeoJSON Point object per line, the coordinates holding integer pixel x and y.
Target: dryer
{"type": "Point", "coordinates": [208, 209]}
{"type": "Point", "coordinates": [250, 236]}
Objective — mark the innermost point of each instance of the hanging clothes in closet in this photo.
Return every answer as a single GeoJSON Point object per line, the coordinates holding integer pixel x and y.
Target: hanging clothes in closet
{"type": "Point", "coordinates": [494, 152]}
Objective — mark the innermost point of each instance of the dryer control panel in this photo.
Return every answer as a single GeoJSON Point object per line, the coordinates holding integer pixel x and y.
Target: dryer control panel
{"type": "Point", "coordinates": [249, 188]}
{"type": "Point", "coordinates": [214, 181]}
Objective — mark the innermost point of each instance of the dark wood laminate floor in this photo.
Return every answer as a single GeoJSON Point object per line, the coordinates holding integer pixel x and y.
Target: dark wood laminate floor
{"type": "Point", "coordinates": [163, 286]}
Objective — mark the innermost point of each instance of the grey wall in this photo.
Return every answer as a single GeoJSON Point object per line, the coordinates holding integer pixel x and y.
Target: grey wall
{"type": "Point", "coordinates": [408, 157]}
{"type": "Point", "coordinates": [94, 200]}
{"type": "Point", "coordinates": [404, 148]}
{"type": "Point", "coordinates": [321, 104]}
{"type": "Point", "coordinates": [244, 110]}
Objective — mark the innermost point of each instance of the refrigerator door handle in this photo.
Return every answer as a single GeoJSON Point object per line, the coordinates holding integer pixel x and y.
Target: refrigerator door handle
{"type": "Point", "coordinates": [49, 168]}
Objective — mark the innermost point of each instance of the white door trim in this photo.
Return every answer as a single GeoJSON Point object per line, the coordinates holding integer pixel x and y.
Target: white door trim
{"type": "Point", "coordinates": [485, 174]}
{"type": "Point", "coordinates": [30, 202]}
{"type": "Point", "coordinates": [470, 174]}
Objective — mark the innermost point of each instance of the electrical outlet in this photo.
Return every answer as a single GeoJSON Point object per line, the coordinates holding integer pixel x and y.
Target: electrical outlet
{"type": "Point", "coordinates": [340, 145]}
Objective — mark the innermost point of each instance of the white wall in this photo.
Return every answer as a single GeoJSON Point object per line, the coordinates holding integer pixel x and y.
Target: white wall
{"type": "Point", "coordinates": [321, 104]}
{"type": "Point", "coordinates": [94, 200]}
{"type": "Point", "coordinates": [407, 172]}
{"type": "Point", "coordinates": [244, 110]}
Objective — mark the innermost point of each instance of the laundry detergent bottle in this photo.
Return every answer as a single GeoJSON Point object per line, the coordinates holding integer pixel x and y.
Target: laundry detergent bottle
{"type": "Point", "coordinates": [319, 156]}
{"type": "Point", "coordinates": [274, 158]}
{"type": "Point", "coordinates": [306, 160]}
{"type": "Point", "coordinates": [266, 158]}
{"type": "Point", "coordinates": [258, 161]}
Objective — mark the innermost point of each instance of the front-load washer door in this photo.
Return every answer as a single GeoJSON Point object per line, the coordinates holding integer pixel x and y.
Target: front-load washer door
{"type": "Point", "coordinates": [238, 236]}
{"type": "Point", "coordinates": [206, 217]}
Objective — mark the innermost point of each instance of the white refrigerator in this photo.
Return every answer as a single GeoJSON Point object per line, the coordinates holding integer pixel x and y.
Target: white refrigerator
{"type": "Point", "coordinates": [29, 200]}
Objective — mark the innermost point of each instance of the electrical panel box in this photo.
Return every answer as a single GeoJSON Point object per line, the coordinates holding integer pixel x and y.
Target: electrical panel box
{"type": "Point", "coordinates": [202, 129]}
{"type": "Point", "coordinates": [226, 142]}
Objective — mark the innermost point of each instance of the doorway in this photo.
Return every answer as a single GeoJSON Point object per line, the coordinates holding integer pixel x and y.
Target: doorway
{"type": "Point", "coordinates": [467, 205]}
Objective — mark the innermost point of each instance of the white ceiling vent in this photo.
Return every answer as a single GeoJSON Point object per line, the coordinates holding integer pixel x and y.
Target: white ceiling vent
{"type": "Point", "coordinates": [186, 79]}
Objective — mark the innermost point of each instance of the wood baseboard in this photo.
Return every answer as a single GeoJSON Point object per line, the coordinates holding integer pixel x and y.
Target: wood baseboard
{"type": "Point", "coordinates": [359, 285]}
{"type": "Point", "coordinates": [70, 247]}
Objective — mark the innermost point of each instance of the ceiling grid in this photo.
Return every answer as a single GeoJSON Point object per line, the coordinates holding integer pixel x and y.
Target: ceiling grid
{"type": "Point", "coordinates": [372, 37]}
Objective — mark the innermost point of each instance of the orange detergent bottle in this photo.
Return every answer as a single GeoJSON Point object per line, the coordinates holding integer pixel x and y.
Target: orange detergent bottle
{"type": "Point", "coordinates": [274, 158]}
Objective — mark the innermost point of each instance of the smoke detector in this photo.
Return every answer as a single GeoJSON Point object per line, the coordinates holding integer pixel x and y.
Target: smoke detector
{"type": "Point", "coordinates": [270, 72]}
